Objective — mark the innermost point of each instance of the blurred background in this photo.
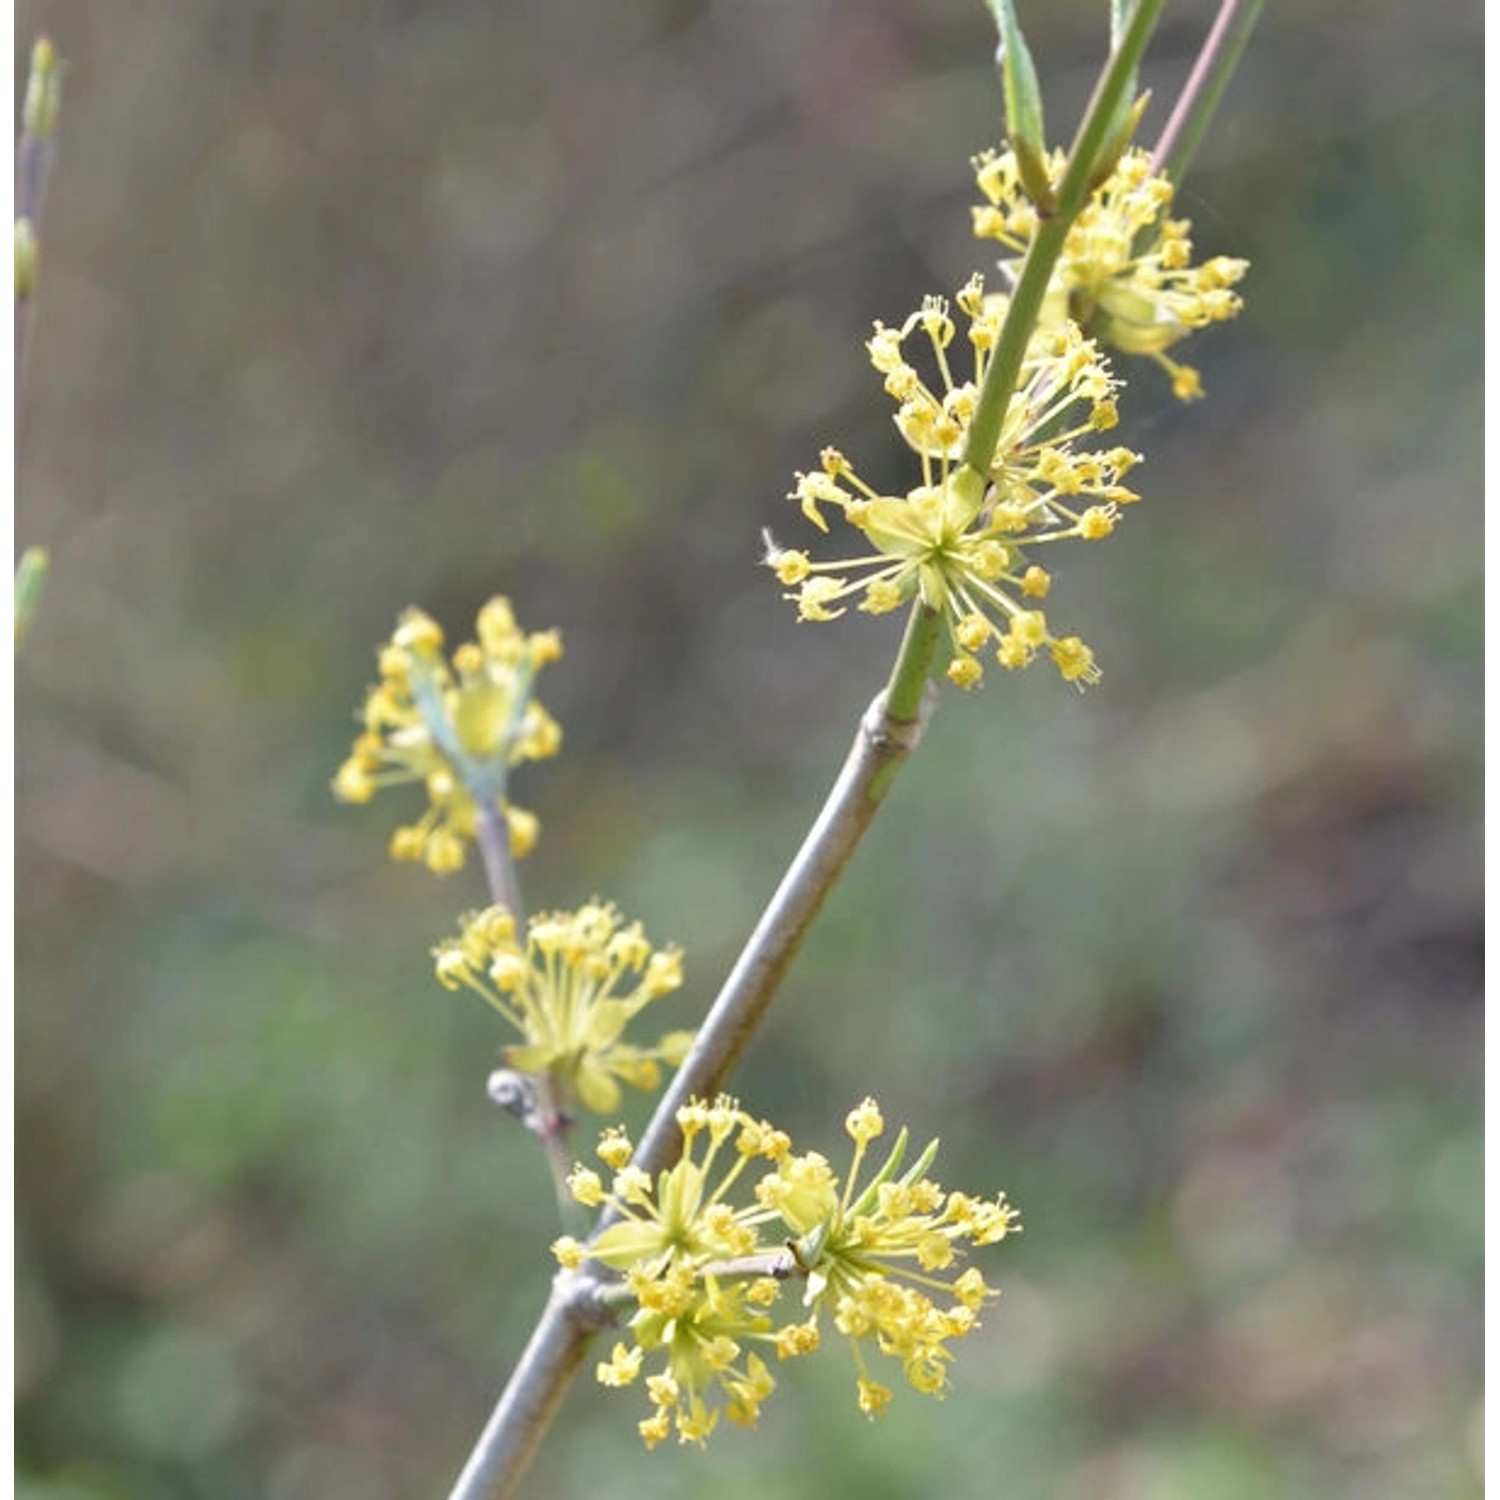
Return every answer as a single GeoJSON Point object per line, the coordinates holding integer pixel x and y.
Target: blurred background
{"type": "Point", "coordinates": [360, 303]}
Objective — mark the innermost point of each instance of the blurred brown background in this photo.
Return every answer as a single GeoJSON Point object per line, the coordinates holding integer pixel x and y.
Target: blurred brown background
{"type": "Point", "coordinates": [354, 303]}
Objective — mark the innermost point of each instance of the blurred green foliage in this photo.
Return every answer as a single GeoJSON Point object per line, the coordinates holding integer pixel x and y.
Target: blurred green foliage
{"type": "Point", "coordinates": [360, 303]}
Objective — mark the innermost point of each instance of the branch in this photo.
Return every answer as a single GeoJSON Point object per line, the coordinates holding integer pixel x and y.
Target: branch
{"type": "Point", "coordinates": [888, 733]}
{"type": "Point", "coordinates": [493, 838]}
{"type": "Point", "coordinates": [881, 746]}
{"type": "Point", "coordinates": [561, 1338]}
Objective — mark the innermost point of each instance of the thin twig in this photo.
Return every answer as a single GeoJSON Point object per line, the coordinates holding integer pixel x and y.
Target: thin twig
{"type": "Point", "coordinates": [558, 1344]}
{"type": "Point", "coordinates": [1206, 83]}
{"type": "Point", "coordinates": [882, 744]}
{"type": "Point", "coordinates": [493, 838]}
{"type": "Point", "coordinates": [544, 1118]}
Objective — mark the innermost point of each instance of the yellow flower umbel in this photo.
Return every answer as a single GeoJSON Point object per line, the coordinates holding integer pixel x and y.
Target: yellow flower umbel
{"type": "Point", "coordinates": [570, 989]}
{"type": "Point", "coordinates": [706, 1276]}
{"type": "Point", "coordinates": [455, 726]}
{"type": "Point", "coordinates": [1125, 272]}
{"type": "Point", "coordinates": [678, 1241]}
{"type": "Point", "coordinates": [960, 540]}
{"type": "Point", "coordinates": [881, 1258]}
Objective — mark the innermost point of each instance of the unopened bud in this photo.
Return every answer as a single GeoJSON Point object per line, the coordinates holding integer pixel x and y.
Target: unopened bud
{"type": "Point", "coordinates": [43, 88]}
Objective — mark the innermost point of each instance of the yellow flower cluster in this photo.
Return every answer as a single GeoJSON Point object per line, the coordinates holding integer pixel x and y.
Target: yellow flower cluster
{"type": "Point", "coordinates": [1125, 273]}
{"type": "Point", "coordinates": [959, 541]}
{"type": "Point", "coordinates": [571, 988]}
{"type": "Point", "coordinates": [877, 1260]}
{"type": "Point", "coordinates": [457, 726]}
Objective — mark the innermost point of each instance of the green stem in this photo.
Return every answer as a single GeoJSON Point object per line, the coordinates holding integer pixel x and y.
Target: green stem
{"type": "Point", "coordinates": [1004, 368]}
{"type": "Point", "coordinates": [908, 681]}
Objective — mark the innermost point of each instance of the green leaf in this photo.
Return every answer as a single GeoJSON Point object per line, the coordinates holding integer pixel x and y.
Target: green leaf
{"type": "Point", "coordinates": [1024, 125]}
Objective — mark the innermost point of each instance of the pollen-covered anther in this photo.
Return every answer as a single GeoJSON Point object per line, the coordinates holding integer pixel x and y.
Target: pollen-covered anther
{"type": "Point", "coordinates": [885, 349]}
{"type": "Point", "coordinates": [1074, 661]}
{"type": "Point", "coordinates": [973, 631]}
{"type": "Point", "coordinates": [790, 568]}
{"type": "Point", "coordinates": [1013, 654]}
{"type": "Point", "coordinates": [816, 597]}
{"type": "Point", "coordinates": [965, 672]}
{"type": "Point", "coordinates": [936, 323]}
{"type": "Point", "coordinates": [1035, 582]}
{"type": "Point", "coordinates": [865, 1122]}
{"type": "Point", "coordinates": [882, 595]}
{"type": "Point", "coordinates": [623, 1366]}
{"type": "Point", "coordinates": [797, 1339]}
{"type": "Point", "coordinates": [991, 559]}
{"type": "Point", "coordinates": [569, 1253]}
{"type": "Point", "coordinates": [614, 1148]}
{"type": "Point", "coordinates": [417, 631]}
{"type": "Point", "coordinates": [1097, 521]}
{"type": "Point", "coordinates": [1029, 626]}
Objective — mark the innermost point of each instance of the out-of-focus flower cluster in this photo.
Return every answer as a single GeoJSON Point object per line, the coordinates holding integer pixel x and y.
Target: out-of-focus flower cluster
{"type": "Point", "coordinates": [710, 1248]}
{"type": "Point", "coordinates": [571, 987]}
{"type": "Point", "coordinates": [456, 725]}
{"type": "Point", "coordinates": [960, 540]}
{"type": "Point", "coordinates": [1125, 273]}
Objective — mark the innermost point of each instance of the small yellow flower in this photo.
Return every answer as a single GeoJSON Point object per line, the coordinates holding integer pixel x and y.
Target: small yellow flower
{"type": "Point", "coordinates": [614, 1147]}
{"type": "Point", "coordinates": [571, 987]}
{"type": "Point", "coordinates": [668, 1239]}
{"type": "Point", "coordinates": [1125, 273]}
{"type": "Point", "coordinates": [958, 541]}
{"type": "Point", "coordinates": [797, 1338]}
{"type": "Point", "coordinates": [865, 1122]}
{"type": "Point", "coordinates": [679, 1221]}
{"type": "Point", "coordinates": [878, 1259]}
{"type": "Point", "coordinates": [569, 1253]}
{"type": "Point", "coordinates": [623, 1366]}
{"type": "Point", "coordinates": [456, 727]}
